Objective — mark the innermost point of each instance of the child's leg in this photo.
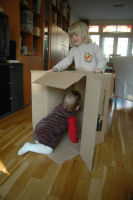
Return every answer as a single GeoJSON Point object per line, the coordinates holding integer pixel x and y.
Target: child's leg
{"type": "Point", "coordinates": [37, 148]}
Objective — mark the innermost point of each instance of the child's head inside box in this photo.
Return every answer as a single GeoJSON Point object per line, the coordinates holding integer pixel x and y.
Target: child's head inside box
{"type": "Point", "coordinates": [48, 90]}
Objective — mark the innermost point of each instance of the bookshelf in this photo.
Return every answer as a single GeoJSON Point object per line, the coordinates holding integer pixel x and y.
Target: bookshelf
{"type": "Point", "coordinates": [60, 14]}
{"type": "Point", "coordinates": [35, 48]}
{"type": "Point", "coordinates": [29, 41]}
{"type": "Point", "coordinates": [57, 22]}
{"type": "Point", "coordinates": [31, 27]}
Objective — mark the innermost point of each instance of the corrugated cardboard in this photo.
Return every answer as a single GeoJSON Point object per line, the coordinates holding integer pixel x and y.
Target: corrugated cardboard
{"type": "Point", "coordinates": [56, 80]}
{"type": "Point", "coordinates": [47, 92]}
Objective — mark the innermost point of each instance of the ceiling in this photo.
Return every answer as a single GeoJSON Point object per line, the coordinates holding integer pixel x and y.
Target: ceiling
{"type": "Point", "coordinates": [102, 9]}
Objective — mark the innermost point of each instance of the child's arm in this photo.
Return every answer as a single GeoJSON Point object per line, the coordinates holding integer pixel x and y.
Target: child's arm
{"type": "Point", "coordinates": [101, 62]}
{"type": "Point", "coordinates": [63, 64]}
{"type": "Point", "coordinates": [52, 70]}
{"type": "Point", "coordinates": [72, 129]}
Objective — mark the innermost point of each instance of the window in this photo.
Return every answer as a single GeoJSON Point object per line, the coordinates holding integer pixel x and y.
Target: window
{"type": "Point", "coordinates": [94, 29]}
{"type": "Point", "coordinates": [108, 46]}
{"type": "Point", "coordinates": [95, 39]}
{"type": "Point", "coordinates": [113, 39]}
{"type": "Point", "coordinates": [117, 28]}
{"type": "Point", "coordinates": [122, 46]}
{"type": "Point", "coordinates": [109, 29]}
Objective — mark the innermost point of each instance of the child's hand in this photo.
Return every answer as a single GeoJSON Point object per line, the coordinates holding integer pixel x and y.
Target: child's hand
{"type": "Point", "coordinates": [51, 70]}
{"type": "Point", "coordinates": [97, 70]}
{"type": "Point", "coordinates": [76, 141]}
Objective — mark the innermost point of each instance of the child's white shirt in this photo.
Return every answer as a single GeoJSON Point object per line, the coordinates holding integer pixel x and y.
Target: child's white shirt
{"type": "Point", "coordinates": [86, 57]}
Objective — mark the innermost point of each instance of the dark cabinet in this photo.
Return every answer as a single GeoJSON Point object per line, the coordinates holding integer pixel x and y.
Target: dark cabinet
{"type": "Point", "coordinates": [11, 88]}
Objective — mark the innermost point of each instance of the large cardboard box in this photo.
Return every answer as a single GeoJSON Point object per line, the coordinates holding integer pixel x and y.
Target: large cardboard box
{"type": "Point", "coordinates": [48, 90]}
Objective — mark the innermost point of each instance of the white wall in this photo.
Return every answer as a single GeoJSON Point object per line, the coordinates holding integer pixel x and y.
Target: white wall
{"type": "Point", "coordinates": [111, 22]}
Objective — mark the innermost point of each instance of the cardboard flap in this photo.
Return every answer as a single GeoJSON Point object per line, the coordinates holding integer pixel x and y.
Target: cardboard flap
{"type": "Point", "coordinates": [60, 80]}
{"type": "Point", "coordinates": [88, 137]}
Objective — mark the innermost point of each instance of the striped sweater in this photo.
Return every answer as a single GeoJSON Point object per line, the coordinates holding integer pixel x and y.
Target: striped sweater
{"type": "Point", "coordinates": [50, 129]}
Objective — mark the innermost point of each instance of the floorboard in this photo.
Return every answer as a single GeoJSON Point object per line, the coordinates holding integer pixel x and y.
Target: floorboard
{"type": "Point", "coordinates": [35, 176]}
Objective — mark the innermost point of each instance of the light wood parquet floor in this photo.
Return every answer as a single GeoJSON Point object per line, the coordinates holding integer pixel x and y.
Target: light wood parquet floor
{"type": "Point", "coordinates": [36, 177]}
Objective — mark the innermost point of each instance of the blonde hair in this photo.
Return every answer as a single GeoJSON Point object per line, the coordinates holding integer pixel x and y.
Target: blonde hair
{"type": "Point", "coordinates": [81, 29]}
{"type": "Point", "coordinates": [71, 101]}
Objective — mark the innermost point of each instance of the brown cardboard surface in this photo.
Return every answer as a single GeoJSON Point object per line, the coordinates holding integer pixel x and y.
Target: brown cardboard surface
{"type": "Point", "coordinates": [36, 74]}
{"type": "Point", "coordinates": [59, 79]}
{"type": "Point", "coordinates": [88, 137]}
{"type": "Point", "coordinates": [94, 88]}
{"type": "Point", "coordinates": [66, 150]}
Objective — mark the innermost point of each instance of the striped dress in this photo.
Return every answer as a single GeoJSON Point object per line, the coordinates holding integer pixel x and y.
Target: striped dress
{"type": "Point", "coordinates": [50, 129]}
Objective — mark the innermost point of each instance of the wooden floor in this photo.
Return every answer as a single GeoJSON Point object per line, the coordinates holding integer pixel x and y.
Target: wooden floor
{"type": "Point", "coordinates": [36, 177]}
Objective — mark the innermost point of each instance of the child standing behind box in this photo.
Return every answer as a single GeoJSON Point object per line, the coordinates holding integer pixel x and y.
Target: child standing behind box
{"type": "Point", "coordinates": [86, 55]}
{"type": "Point", "coordinates": [48, 132]}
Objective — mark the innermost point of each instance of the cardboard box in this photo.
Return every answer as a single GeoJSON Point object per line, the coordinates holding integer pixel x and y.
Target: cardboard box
{"type": "Point", "coordinates": [47, 92]}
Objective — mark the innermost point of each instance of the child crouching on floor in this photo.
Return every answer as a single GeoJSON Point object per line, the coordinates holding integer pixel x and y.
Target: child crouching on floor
{"type": "Point", "coordinates": [49, 131]}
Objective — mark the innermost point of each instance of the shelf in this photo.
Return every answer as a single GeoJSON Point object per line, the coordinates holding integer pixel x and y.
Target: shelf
{"type": "Point", "coordinates": [61, 16]}
{"type": "Point", "coordinates": [32, 20]}
{"type": "Point", "coordinates": [37, 14]}
{"type": "Point", "coordinates": [24, 6]}
{"type": "Point", "coordinates": [56, 42]}
{"type": "Point", "coordinates": [38, 36]}
{"type": "Point", "coordinates": [24, 37]}
{"type": "Point", "coordinates": [25, 31]}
